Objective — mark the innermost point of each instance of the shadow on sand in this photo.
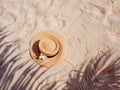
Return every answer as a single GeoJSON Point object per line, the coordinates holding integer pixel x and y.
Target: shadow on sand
{"type": "Point", "coordinates": [8, 70]}
{"type": "Point", "coordinates": [94, 77]}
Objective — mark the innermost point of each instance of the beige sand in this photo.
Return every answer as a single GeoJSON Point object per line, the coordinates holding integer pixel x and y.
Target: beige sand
{"type": "Point", "coordinates": [90, 27]}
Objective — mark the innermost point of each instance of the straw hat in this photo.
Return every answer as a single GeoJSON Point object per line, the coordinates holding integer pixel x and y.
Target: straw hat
{"type": "Point", "coordinates": [48, 48]}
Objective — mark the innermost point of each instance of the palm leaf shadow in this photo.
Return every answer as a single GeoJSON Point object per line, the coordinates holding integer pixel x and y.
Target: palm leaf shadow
{"type": "Point", "coordinates": [8, 59]}
{"type": "Point", "coordinates": [96, 76]}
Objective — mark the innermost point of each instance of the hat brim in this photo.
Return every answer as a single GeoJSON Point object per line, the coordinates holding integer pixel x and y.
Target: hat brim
{"type": "Point", "coordinates": [34, 50]}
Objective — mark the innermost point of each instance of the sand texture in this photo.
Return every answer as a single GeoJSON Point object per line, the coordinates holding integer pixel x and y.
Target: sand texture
{"type": "Point", "coordinates": [90, 27]}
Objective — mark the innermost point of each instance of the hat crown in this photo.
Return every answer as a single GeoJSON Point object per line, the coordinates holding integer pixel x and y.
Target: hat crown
{"type": "Point", "coordinates": [48, 46]}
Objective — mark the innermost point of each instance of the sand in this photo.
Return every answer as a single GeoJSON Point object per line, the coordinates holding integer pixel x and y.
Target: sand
{"type": "Point", "coordinates": [89, 26]}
